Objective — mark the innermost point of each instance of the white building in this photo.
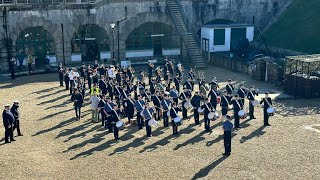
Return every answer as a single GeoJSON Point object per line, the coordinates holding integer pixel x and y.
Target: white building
{"type": "Point", "coordinates": [224, 37]}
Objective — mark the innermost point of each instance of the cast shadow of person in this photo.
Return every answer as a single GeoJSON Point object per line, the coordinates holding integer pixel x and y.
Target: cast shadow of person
{"type": "Point", "coordinates": [205, 171]}
{"type": "Point", "coordinates": [257, 133]}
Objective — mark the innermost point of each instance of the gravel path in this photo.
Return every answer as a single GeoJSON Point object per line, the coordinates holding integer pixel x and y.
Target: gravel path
{"type": "Point", "coordinates": [55, 146]}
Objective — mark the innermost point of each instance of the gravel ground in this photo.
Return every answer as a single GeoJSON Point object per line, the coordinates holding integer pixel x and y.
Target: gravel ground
{"type": "Point", "coordinates": [55, 146]}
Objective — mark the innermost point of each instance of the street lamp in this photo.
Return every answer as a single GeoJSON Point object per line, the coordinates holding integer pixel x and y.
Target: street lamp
{"type": "Point", "coordinates": [113, 26]}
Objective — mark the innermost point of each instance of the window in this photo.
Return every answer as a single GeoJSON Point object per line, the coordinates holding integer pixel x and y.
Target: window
{"type": "Point", "coordinates": [219, 37]}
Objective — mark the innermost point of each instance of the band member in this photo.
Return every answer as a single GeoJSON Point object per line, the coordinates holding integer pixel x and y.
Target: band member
{"type": "Point", "coordinates": [72, 78]}
{"type": "Point", "coordinates": [150, 70]}
{"type": "Point", "coordinates": [82, 71]}
{"type": "Point", "coordinates": [107, 110]}
{"type": "Point", "coordinates": [78, 100]}
{"type": "Point", "coordinates": [189, 84]}
{"type": "Point", "coordinates": [115, 118]}
{"type": "Point", "coordinates": [95, 77]}
{"type": "Point", "coordinates": [103, 85]}
{"type": "Point", "coordinates": [81, 87]}
{"type": "Point", "coordinates": [139, 104]}
{"type": "Point", "coordinates": [16, 113]}
{"type": "Point", "coordinates": [110, 89]}
{"type": "Point", "coordinates": [227, 128]}
{"type": "Point", "coordinates": [203, 89]}
{"type": "Point", "coordinates": [242, 93]}
{"type": "Point", "coordinates": [237, 106]}
{"type": "Point", "coordinates": [101, 105]}
{"type": "Point", "coordinates": [135, 90]}
{"type": "Point", "coordinates": [117, 93]}
{"type": "Point", "coordinates": [185, 96]}
{"type": "Point", "coordinates": [165, 104]}
{"type": "Point", "coordinates": [251, 97]}
{"type": "Point", "coordinates": [147, 116]}
{"type": "Point", "coordinates": [214, 82]}
{"type": "Point", "coordinates": [191, 74]}
{"type": "Point", "coordinates": [66, 78]}
{"type": "Point", "coordinates": [129, 105]}
{"type": "Point", "coordinates": [180, 71]}
{"type": "Point", "coordinates": [8, 123]}
{"type": "Point", "coordinates": [213, 95]}
{"type": "Point", "coordinates": [196, 103]}
{"type": "Point", "coordinates": [89, 76]}
{"type": "Point", "coordinates": [177, 82]}
{"type": "Point", "coordinates": [267, 102]}
{"type": "Point", "coordinates": [174, 94]}
{"type": "Point", "coordinates": [229, 87]}
{"type": "Point", "coordinates": [207, 109]}
{"type": "Point", "coordinates": [173, 114]}
{"type": "Point", "coordinates": [152, 84]}
{"type": "Point", "coordinates": [61, 74]}
{"type": "Point", "coordinates": [156, 99]}
{"type": "Point", "coordinates": [225, 99]}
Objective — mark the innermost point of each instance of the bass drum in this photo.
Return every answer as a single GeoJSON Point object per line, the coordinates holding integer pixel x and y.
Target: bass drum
{"type": "Point", "coordinates": [270, 111]}
{"type": "Point", "coordinates": [242, 114]}
{"type": "Point", "coordinates": [177, 121]}
{"type": "Point", "coordinates": [187, 105]}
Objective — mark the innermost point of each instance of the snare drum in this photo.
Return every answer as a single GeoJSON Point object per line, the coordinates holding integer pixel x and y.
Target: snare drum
{"type": "Point", "coordinates": [270, 111]}
{"type": "Point", "coordinates": [177, 121]}
{"type": "Point", "coordinates": [255, 103]}
{"type": "Point", "coordinates": [168, 113]}
{"type": "Point", "coordinates": [200, 110]}
{"type": "Point", "coordinates": [242, 114]}
{"type": "Point", "coordinates": [213, 116]}
{"type": "Point", "coordinates": [120, 124]}
{"type": "Point", "coordinates": [153, 123]}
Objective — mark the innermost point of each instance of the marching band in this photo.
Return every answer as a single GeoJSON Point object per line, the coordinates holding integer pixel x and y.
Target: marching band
{"type": "Point", "coordinates": [121, 95]}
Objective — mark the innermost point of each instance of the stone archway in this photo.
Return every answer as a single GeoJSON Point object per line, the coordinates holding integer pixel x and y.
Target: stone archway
{"type": "Point", "coordinates": [132, 23]}
{"type": "Point", "coordinates": [36, 21]}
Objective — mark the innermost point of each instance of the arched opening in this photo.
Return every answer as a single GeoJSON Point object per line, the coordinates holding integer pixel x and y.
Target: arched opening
{"type": "Point", "coordinates": [90, 43]}
{"type": "Point", "coordinates": [38, 42]}
{"type": "Point", "coordinates": [152, 39]}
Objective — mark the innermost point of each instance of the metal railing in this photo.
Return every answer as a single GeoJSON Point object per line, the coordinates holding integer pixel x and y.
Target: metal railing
{"type": "Point", "coordinates": [45, 2]}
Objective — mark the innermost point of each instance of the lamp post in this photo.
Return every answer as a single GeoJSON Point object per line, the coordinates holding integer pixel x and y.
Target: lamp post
{"type": "Point", "coordinates": [113, 26]}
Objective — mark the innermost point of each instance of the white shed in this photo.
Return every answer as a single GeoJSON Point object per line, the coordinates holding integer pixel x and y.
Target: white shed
{"type": "Point", "coordinates": [224, 37]}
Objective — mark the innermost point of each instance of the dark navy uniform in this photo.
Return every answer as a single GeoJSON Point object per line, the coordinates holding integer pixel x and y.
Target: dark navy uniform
{"type": "Point", "coordinates": [101, 105]}
{"type": "Point", "coordinates": [156, 101]}
{"type": "Point", "coordinates": [213, 94]}
{"type": "Point", "coordinates": [66, 80]}
{"type": "Point", "coordinates": [8, 122]}
{"type": "Point", "coordinates": [103, 86]}
{"type": "Point", "coordinates": [175, 95]}
{"type": "Point", "coordinates": [165, 103]}
{"type": "Point", "coordinates": [115, 119]}
{"type": "Point", "coordinates": [227, 127]}
{"type": "Point", "coordinates": [207, 109]}
{"type": "Point", "coordinates": [139, 104]}
{"type": "Point", "coordinates": [242, 94]}
{"type": "Point", "coordinates": [129, 108]}
{"type": "Point", "coordinates": [229, 88]}
{"type": "Point", "coordinates": [147, 113]}
{"type": "Point", "coordinates": [251, 97]}
{"type": "Point", "coordinates": [189, 85]}
{"type": "Point", "coordinates": [267, 102]}
{"type": "Point", "coordinates": [225, 104]}
{"type": "Point", "coordinates": [108, 109]}
{"type": "Point", "coordinates": [237, 106]}
{"type": "Point", "coordinates": [78, 100]}
{"type": "Point", "coordinates": [184, 96]}
{"type": "Point", "coordinates": [173, 114]}
{"type": "Point", "coordinates": [16, 113]}
{"type": "Point", "coordinates": [177, 83]}
{"type": "Point", "coordinates": [196, 103]}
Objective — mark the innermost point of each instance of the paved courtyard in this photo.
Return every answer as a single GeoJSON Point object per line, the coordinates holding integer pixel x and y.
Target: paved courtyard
{"type": "Point", "coordinates": [55, 146]}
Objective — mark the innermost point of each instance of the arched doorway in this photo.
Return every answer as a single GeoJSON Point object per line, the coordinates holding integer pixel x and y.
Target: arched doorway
{"type": "Point", "coordinates": [90, 43]}
{"type": "Point", "coordinates": [38, 42]}
{"type": "Point", "coordinates": [152, 39]}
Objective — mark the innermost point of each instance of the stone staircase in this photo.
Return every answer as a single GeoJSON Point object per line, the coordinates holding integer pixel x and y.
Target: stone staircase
{"type": "Point", "coordinates": [189, 37]}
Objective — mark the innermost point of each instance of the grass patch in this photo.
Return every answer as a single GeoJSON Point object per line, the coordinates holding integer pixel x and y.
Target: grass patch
{"type": "Point", "coordinates": [298, 29]}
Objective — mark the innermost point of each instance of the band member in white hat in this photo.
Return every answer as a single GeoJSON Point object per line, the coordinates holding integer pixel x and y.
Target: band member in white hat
{"type": "Point", "coordinates": [16, 113]}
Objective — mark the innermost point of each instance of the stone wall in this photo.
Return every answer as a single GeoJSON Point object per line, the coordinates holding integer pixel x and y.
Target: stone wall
{"type": "Point", "coordinates": [199, 12]}
{"type": "Point", "coordinates": [256, 69]}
